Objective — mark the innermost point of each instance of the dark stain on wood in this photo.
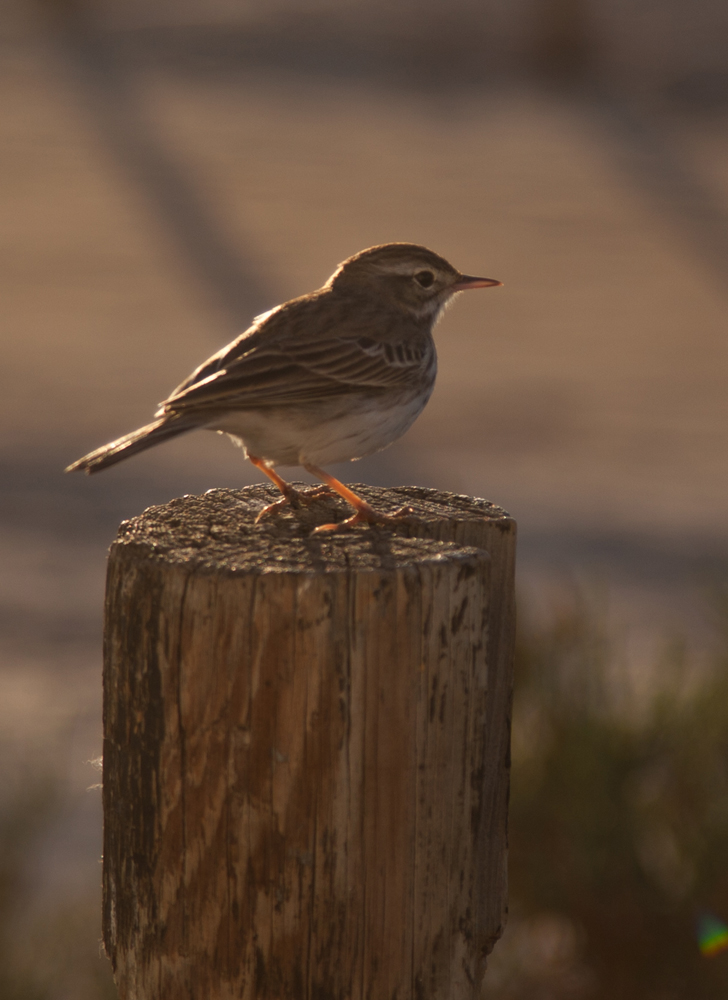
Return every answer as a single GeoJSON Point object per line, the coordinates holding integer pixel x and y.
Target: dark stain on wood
{"type": "Point", "coordinates": [457, 619]}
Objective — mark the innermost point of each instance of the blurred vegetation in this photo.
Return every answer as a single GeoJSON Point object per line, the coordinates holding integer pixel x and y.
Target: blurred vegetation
{"type": "Point", "coordinates": [49, 948]}
{"type": "Point", "coordinates": [619, 820]}
{"type": "Point", "coordinates": [619, 835]}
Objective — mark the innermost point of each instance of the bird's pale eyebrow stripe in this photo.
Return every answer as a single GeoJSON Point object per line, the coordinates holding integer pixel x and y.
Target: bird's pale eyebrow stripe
{"type": "Point", "coordinates": [404, 267]}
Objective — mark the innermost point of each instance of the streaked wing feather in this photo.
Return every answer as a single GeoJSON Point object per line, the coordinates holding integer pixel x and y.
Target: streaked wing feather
{"type": "Point", "coordinates": [272, 376]}
{"type": "Point", "coordinates": [220, 360]}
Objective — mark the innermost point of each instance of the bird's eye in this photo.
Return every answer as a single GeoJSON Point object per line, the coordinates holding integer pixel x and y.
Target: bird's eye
{"type": "Point", "coordinates": [425, 278]}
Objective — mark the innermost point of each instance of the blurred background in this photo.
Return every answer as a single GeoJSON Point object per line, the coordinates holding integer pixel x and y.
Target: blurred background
{"type": "Point", "coordinates": [168, 169]}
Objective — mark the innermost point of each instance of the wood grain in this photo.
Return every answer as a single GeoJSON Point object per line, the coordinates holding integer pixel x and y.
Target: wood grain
{"type": "Point", "coordinates": [306, 750]}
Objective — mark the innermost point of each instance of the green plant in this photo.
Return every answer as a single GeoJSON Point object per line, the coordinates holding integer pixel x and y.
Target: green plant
{"type": "Point", "coordinates": [619, 822]}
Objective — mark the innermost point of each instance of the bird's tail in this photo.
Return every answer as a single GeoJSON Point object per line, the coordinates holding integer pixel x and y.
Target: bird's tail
{"type": "Point", "coordinates": [139, 440]}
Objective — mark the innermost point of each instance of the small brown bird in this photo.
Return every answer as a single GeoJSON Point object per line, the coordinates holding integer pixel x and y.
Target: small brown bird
{"type": "Point", "coordinates": [329, 377]}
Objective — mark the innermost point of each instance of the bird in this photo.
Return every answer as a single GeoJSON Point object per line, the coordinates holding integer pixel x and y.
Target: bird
{"type": "Point", "coordinates": [331, 376]}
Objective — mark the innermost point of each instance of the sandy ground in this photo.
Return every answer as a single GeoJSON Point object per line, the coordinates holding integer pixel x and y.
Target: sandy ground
{"type": "Point", "coordinates": [149, 210]}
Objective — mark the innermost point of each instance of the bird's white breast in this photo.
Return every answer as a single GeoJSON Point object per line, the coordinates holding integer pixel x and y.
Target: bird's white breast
{"type": "Point", "coordinates": [336, 430]}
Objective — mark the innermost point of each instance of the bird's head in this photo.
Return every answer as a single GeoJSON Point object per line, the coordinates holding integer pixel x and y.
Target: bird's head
{"type": "Point", "coordinates": [404, 275]}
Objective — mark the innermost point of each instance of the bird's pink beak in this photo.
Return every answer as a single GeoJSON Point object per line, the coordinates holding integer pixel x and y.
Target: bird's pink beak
{"type": "Point", "coordinates": [468, 281]}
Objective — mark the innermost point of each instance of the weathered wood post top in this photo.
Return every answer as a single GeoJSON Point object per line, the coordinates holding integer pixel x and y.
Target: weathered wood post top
{"type": "Point", "coordinates": [306, 749]}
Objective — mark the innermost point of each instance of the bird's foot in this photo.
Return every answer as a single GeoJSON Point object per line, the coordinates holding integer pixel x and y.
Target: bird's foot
{"type": "Point", "coordinates": [367, 515]}
{"type": "Point", "coordinates": [294, 498]}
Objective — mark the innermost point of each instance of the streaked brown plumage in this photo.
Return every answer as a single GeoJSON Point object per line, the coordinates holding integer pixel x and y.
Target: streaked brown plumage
{"type": "Point", "coordinates": [331, 376]}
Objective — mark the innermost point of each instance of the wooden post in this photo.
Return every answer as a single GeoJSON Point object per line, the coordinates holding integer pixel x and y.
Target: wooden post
{"type": "Point", "coordinates": [306, 750]}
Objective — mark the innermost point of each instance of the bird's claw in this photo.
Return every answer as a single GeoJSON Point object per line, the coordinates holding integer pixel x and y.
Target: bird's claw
{"type": "Point", "coordinates": [366, 515]}
{"type": "Point", "coordinates": [294, 498]}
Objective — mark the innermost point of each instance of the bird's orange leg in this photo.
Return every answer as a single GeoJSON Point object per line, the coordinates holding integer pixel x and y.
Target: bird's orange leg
{"type": "Point", "coordinates": [291, 495]}
{"type": "Point", "coordinates": [362, 510]}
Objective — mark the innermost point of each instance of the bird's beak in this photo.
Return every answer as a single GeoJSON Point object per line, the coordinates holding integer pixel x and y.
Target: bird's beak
{"type": "Point", "coordinates": [468, 281]}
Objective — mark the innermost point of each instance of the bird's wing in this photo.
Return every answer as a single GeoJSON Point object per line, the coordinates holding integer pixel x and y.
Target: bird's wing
{"type": "Point", "coordinates": [217, 363]}
{"type": "Point", "coordinates": [282, 374]}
